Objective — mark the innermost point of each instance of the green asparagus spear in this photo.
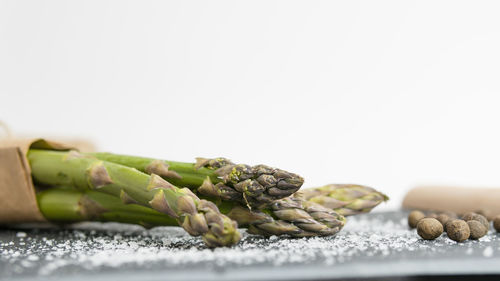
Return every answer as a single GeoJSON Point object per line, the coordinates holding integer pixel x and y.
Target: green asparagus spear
{"type": "Point", "coordinates": [345, 199]}
{"type": "Point", "coordinates": [218, 177]}
{"type": "Point", "coordinates": [197, 217]}
{"type": "Point", "coordinates": [69, 205]}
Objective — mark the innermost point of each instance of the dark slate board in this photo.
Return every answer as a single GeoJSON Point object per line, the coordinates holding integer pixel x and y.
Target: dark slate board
{"type": "Point", "coordinates": [372, 245]}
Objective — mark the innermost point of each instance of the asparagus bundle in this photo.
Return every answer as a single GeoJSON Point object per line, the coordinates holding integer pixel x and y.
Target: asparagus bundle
{"type": "Point", "coordinates": [345, 199]}
{"type": "Point", "coordinates": [289, 216]}
{"type": "Point", "coordinates": [219, 177]}
{"type": "Point", "coordinates": [298, 215]}
{"type": "Point", "coordinates": [197, 217]}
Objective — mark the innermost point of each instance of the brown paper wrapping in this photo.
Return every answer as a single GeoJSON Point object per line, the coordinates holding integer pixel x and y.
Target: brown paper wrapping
{"type": "Point", "coordinates": [455, 199]}
{"type": "Point", "coordinates": [17, 193]}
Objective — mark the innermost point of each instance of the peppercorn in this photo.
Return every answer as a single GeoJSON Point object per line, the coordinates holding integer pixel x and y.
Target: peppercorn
{"type": "Point", "coordinates": [477, 217]}
{"type": "Point", "coordinates": [432, 215]}
{"type": "Point", "coordinates": [496, 223]}
{"type": "Point", "coordinates": [443, 218]}
{"type": "Point", "coordinates": [414, 217]}
{"type": "Point", "coordinates": [484, 213]}
{"type": "Point", "coordinates": [445, 226]}
{"type": "Point", "coordinates": [451, 214]}
{"type": "Point", "coordinates": [458, 230]}
{"type": "Point", "coordinates": [477, 229]}
{"type": "Point", "coordinates": [429, 228]}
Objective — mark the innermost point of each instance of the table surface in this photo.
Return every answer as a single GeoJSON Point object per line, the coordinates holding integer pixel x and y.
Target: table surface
{"type": "Point", "coordinates": [372, 245]}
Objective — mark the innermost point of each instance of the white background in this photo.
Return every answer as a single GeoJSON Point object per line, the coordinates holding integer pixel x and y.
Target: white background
{"type": "Point", "coordinates": [390, 94]}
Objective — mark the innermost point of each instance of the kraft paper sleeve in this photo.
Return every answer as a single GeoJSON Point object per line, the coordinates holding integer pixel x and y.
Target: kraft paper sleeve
{"type": "Point", "coordinates": [17, 194]}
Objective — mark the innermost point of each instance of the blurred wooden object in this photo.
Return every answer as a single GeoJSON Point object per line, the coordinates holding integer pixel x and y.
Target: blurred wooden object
{"type": "Point", "coordinates": [455, 199]}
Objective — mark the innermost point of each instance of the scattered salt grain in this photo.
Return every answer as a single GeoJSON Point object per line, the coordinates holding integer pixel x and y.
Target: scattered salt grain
{"type": "Point", "coordinates": [21, 234]}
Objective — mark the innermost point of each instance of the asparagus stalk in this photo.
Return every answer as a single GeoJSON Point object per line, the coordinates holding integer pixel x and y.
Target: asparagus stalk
{"type": "Point", "coordinates": [292, 217]}
{"type": "Point", "coordinates": [219, 177]}
{"type": "Point", "coordinates": [345, 199]}
{"type": "Point", "coordinates": [197, 217]}
{"type": "Point", "coordinates": [68, 205]}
